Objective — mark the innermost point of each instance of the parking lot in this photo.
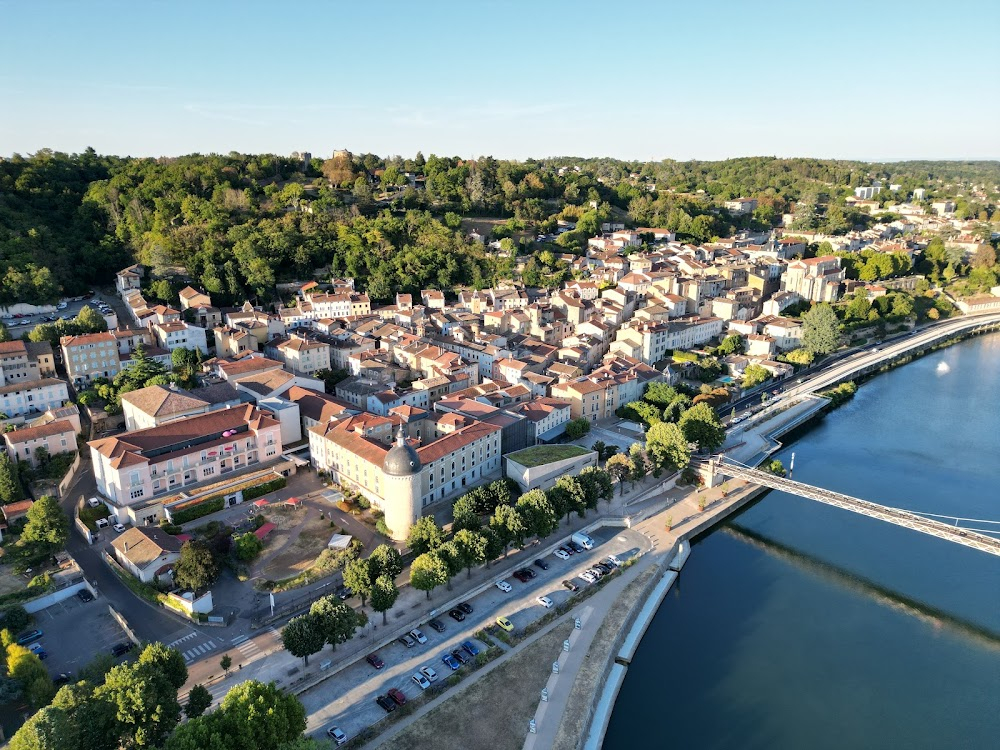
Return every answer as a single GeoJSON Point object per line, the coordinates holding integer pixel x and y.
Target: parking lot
{"type": "Point", "coordinates": [74, 632]}
{"type": "Point", "coordinates": [27, 323]}
{"type": "Point", "coordinates": [348, 699]}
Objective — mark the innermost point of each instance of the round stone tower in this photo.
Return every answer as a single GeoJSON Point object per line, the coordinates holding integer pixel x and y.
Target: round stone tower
{"type": "Point", "coordinates": [401, 498]}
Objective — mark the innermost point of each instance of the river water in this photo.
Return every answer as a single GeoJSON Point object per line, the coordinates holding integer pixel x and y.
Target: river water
{"type": "Point", "coordinates": [798, 625]}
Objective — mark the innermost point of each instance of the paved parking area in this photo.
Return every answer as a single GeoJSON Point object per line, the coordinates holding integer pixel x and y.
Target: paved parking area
{"type": "Point", "coordinates": [348, 700]}
{"type": "Point", "coordinates": [75, 632]}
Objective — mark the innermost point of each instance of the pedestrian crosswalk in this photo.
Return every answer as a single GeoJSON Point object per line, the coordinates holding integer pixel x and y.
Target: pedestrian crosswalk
{"type": "Point", "coordinates": [197, 651]}
{"type": "Point", "coordinates": [249, 648]}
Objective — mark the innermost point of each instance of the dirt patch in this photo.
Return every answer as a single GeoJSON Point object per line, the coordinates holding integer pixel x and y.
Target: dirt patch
{"type": "Point", "coordinates": [11, 581]}
{"type": "Point", "coordinates": [590, 678]}
{"type": "Point", "coordinates": [502, 701]}
{"type": "Point", "coordinates": [293, 547]}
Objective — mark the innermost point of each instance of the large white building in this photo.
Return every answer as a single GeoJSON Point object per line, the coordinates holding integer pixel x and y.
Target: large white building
{"type": "Point", "coordinates": [815, 279]}
{"type": "Point", "coordinates": [452, 455]}
{"type": "Point", "coordinates": [27, 397]}
{"type": "Point", "coordinates": [90, 356]}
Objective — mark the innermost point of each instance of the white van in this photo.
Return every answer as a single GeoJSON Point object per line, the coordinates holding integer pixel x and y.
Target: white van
{"type": "Point", "coordinates": [583, 540]}
{"type": "Point", "coordinates": [102, 523]}
{"type": "Point", "coordinates": [94, 502]}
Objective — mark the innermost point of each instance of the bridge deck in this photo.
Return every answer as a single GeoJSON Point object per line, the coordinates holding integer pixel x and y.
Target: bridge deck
{"type": "Point", "coordinates": [898, 516]}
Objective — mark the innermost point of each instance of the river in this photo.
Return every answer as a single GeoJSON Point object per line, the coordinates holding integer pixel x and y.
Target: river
{"type": "Point", "coordinates": [797, 625]}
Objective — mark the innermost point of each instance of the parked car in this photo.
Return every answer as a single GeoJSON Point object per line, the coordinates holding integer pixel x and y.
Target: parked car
{"type": "Point", "coordinates": [120, 649]}
{"type": "Point", "coordinates": [542, 564]}
{"type": "Point", "coordinates": [407, 640]}
{"type": "Point", "coordinates": [39, 651]}
{"type": "Point", "coordinates": [343, 592]}
{"type": "Point", "coordinates": [421, 681]}
{"type": "Point", "coordinates": [465, 607]}
{"type": "Point", "coordinates": [119, 528]}
{"type": "Point", "coordinates": [567, 550]}
{"type": "Point", "coordinates": [588, 577]}
{"type": "Point", "coordinates": [63, 678]}
{"type": "Point", "coordinates": [418, 636]}
{"type": "Point", "coordinates": [102, 523]}
{"type": "Point", "coordinates": [29, 637]}
{"type": "Point", "coordinates": [613, 560]}
{"type": "Point", "coordinates": [519, 575]}
{"type": "Point", "coordinates": [460, 657]}
{"type": "Point", "coordinates": [470, 648]}
{"type": "Point", "coordinates": [94, 502]}
{"type": "Point", "coordinates": [504, 586]}
{"type": "Point", "coordinates": [85, 595]}
{"type": "Point", "coordinates": [595, 572]}
{"type": "Point", "coordinates": [375, 660]}
{"type": "Point", "coordinates": [604, 567]}
{"type": "Point", "coordinates": [387, 703]}
{"type": "Point", "coordinates": [436, 625]}
{"type": "Point", "coordinates": [575, 547]}
{"type": "Point", "coordinates": [337, 735]}
{"type": "Point", "coordinates": [505, 624]}
{"type": "Point", "coordinates": [457, 614]}
{"type": "Point", "coordinates": [570, 585]}
{"type": "Point", "coordinates": [429, 673]}
{"type": "Point", "coordinates": [544, 601]}
{"type": "Point", "coordinates": [397, 696]}
{"type": "Point", "coordinates": [561, 554]}
{"type": "Point", "coordinates": [451, 661]}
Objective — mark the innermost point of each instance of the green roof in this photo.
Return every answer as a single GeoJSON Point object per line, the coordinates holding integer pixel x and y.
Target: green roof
{"type": "Point", "coordinates": [546, 454]}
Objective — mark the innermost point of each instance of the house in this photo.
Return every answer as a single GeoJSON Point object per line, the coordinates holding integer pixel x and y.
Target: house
{"type": "Point", "coordinates": [24, 398]}
{"type": "Point", "coordinates": [90, 356]}
{"type": "Point", "coordinates": [300, 355]}
{"type": "Point", "coordinates": [58, 436]}
{"type": "Point", "coordinates": [16, 511]}
{"type": "Point", "coordinates": [815, 279]}
{"type": "Point", "coordinates": [16, 365]}
{"type": "Point", "coordinates": [156, 404]}
{"type": "Point", "coordinates": [741, 206]}
{"type": "Point", "coordinates": [179, 335]}
{"type": "Point", "coordinates": [147, 552]}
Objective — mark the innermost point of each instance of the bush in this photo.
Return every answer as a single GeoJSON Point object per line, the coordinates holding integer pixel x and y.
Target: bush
{"type": "Point", "coordinates": [247, 547]}
{"type": "Point", "coordinates": [363, 502]}
{"type": "Point", "coordinates": [251, 493]}
{"type": "Point", "coordinates": [382, 529]}
{"type": "Point", "coordinates": [203, 508]}
{"type": "Point", "coordinates": [15, 618]}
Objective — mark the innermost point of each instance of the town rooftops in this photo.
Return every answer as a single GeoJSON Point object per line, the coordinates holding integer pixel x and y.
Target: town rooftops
{"type": "Point", "coordinates": [88, 338]}
{"type": "Point", "coordinates": [159, 400]}
{"type": "Point", "coordinates": [12, 347]}
{"type": "Point", "coordinates": [27, 385]}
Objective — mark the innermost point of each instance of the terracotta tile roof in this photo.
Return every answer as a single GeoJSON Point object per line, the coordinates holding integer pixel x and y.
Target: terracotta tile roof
{"type": "Point", "coordinates": [454, 441]}
{"type": "Point", "coordinates": [56, 427]}
{"type": "Point", "coordinates": [142, 545]}
{"type": "Point", "coordinates": [265, 382]}
{"type": "Point", "coordinates": [158, 400]}
{"type": "Point", "coordinates": [13, 347]}
{"type": "Point", "coordinates": [317, 406]}
{"type": "Point", "coordinates": [87, 338]}
{"type": "Point", "coordinates": [248, 365]}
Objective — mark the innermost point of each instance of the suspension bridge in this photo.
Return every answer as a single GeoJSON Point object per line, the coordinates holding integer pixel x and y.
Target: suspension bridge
{"type": "Point", "coordinates": [934, 524]}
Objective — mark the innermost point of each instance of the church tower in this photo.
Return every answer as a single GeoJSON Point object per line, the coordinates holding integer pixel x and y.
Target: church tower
{"type": "Point", "coordinates": [401, 498]}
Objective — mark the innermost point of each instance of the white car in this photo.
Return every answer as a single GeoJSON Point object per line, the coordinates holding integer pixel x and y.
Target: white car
{"type": "Point", "coordinates": [561, 555]}
{"type": "Point", "coordinates": [422, 682]}
{"type": "Point", "coordinates": [119, 528]}
{"type": "Point", "coordinates": [504, 586]}
{"type": "Point", "coordinates": [94, 502]}
{"type": "Point", "coordinates": [588, 576]}
{"type": "Point", "coordinates": [544, 601]}
{"type": "Point", "coordinates": [419, 637]}
{"type": "Point", "coordinates": [429, 673]}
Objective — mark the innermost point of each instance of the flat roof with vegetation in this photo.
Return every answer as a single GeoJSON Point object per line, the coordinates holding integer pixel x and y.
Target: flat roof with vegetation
{"type": "Point", "coordinates": [546, 454]}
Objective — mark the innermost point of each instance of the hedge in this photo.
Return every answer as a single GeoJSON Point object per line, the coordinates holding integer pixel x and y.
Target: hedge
{"type": "Point", "coordinates": [262, 489]}
{"type": "Point", "coordinates": [203, 508]}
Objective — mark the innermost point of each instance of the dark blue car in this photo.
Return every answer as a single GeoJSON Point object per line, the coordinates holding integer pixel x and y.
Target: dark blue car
{"type": "Point", "coordinates": [470, 648]}
{"type": "Point", "coordinates": [451, 661]}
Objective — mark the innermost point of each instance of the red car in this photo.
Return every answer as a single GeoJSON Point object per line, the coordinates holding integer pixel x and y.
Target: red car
{"type": "Point", "coordinates": [397, 696]}
{"type": "Point", "coordinates": [375, 660]}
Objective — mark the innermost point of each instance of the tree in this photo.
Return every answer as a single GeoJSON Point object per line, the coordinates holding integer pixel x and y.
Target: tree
{"type": "Point", "coordinates": [144, 701]}
{"type": "Point", "coordinates": [701, 425]}
{"type": "Point", "coordinates": [94, 719]}
{"type": "Point", "coordinates": [471, 548]}
{"type": "Point", "coordinates": [754, 375]}
{"type": "Point", "coordinates": [800, 357]}
{"type": "Point", "coordinates": [49, 729]}
{"type": "Point", "coordinates": [199, 699]}
{"type": "Point", "coordinates": [47, 525]}
{"type": "Point", "coordinates": [358, 578]}
{"type": "Point", "coordinates": [639, 462]}
{"type": "Point", "coordinates": [598, 447]}
{"type": "Point", "coordinates": [732, 344]}
{"type": "Point", "coordinates": [196, 568]}
{"type": "Point", "coordinates": [4, 333]}
{"type": "Point", "coordinates": [984, 257]}
{"type": "Point", "coordinates": [385, 560]}
{"type": "Point", "coordinates": [820, 330]}
{"type": "Point", "coordinates": [384, 595]}
{"type": "Point", "coordinates": [577, 428]}
{"type": "Point", "coordinates": [303, 636]}
{"type": "Point", "coordinates": [425, 536]}
{"type": "Point", "coordinates": [537, 513]}
{"type": "Point", "coordinates": [667, 447]}
{"type": "Point", "coordinates": [15, 618]}
{"type": "Point", "coordinates": [569, 496]}
{"type": "Point", "coordinates": [596, 485]}
{"type": "Point", "coordinates": [465, 515]}
{"type": "Point", "coordinates": [336, 620]}
{"type": "Point", "coordinates": [247, 546]}
{"type": "Point", "coordinates": [88, 320]}
{"type": "Point", "coordinates": [428, 571]}
{"type": "Point", "coordinates": [166, 661]}
{"type": "Point", "coordinates": [620, 467]}
{"type": "Point", "coordinates": [506, 523]}
{"type": "Point", "coordinates": [10, 484]}
{"type": "Point", "coordinates": [26, 668]}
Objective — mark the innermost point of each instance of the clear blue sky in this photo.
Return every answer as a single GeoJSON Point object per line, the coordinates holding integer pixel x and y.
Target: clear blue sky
{"type": "Point", "coordinates": [707, 79]}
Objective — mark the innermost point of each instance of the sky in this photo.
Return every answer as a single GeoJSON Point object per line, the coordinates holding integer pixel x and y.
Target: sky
{"type": "Point", "coordinates": [673, 79]}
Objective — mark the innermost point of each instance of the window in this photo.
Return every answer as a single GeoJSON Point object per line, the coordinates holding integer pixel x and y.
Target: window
{"type": "Point", "coordinates": [208, 471]}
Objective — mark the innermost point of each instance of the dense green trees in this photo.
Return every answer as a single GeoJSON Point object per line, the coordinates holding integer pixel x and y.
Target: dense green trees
{"type": "Point", "coordinates": [303, 636]}
{"type": "Point", "coordinates": [47, 525]}
{"type": "Point", "coordinates": [335, 620]}
{"type": "Point", "coordinates": [197, 568]}
{"type": "Point", "coordinates": [428, 571]}
{"type": "Point", "coordinates": [701, 425]}
{"type": "Point", "coordinates": [425, 536]}
{"type": "Point", "coordinates": [820, 330]}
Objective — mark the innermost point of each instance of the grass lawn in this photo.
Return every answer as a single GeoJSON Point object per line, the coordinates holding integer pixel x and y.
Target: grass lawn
{"type": "Point", "coordinates": [501, 702]}
{"type": "Point", "coordinates": [546, 454]}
